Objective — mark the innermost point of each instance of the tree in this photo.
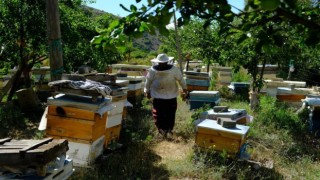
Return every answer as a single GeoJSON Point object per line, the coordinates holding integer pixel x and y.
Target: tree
{"type": "Point", "coordinates": [23, 43]}
{"type": "Point", "coordinates": [23, 37]}
{"type": "Point", "coordinates": [260, 22]}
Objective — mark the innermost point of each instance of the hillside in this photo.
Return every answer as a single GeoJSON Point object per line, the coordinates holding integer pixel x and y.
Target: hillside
{"type": "Point", "coordinates": [146, 43]}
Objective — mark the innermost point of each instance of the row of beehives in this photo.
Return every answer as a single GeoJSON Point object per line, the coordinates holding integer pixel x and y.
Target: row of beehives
{"type": "Point", "coordinates": [90, 127]}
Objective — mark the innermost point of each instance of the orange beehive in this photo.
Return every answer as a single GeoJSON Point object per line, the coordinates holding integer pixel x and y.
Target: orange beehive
{"type": "Point", "coordinates": [75, 123]}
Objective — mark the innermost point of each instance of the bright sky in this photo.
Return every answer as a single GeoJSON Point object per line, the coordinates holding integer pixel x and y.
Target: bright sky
{"type": "Point", "coordinates": [113, 6]}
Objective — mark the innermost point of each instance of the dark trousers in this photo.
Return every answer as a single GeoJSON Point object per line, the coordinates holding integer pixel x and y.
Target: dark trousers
{"type": "Point", "coordinates": [164, 113]}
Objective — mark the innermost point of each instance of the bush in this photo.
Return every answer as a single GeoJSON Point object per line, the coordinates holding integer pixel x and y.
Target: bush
{"type": "Point", "coordinates": [280, 114]}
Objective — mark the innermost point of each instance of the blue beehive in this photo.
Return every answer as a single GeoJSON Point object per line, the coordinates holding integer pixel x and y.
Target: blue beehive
{"type": "Point", "coordinates": [200, 98]}
{"type": "Point", "coordinates": [197, 82]}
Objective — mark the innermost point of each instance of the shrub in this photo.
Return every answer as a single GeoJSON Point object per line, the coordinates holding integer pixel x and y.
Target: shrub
{"type": "Point", "coordinates": [280, 114]}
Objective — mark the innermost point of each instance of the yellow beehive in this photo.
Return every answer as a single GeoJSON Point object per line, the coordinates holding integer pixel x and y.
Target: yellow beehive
{"type": "Point", "coordinates": [210, 134]}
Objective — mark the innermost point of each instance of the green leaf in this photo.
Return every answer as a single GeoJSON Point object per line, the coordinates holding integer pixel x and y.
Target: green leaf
{"type": "Point", "coordinates": [143, 27]}
{"type": "Point", "coordinates": [268, 5]}
{"type": "Point", "coordinates": [178, 3]}
{"type": "Point", "coordinates": [242, 38]}
{"type": "Point", "coordinates": [113, 24]}
{"type": "Point", "coordinates": [133, 8]}
{"type": "Point", "coordinates": [164, 31]}
{"type": "Point", "coordinates": [267, 48]}
{"type": "Point", "coordinates": [96, 39]}
{"type": "Point", "coordinates": [124, 8]}
{"type": "Point", "coordinates": [258, 46]}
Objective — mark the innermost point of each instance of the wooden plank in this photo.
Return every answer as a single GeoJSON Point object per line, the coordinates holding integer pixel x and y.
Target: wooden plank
{"type": "Point", "coordinates": [2, 141]}
{"type": "Point", "coordinates": [24, 150]}
{"type": "Point", "coordinates": [71, 139]}
{"type": "Point", "coordinates": [76, 128]}
{"type": "Point", "coordinates": [34, 157]}
{"type": "Point", "coordinates": [72, 113]}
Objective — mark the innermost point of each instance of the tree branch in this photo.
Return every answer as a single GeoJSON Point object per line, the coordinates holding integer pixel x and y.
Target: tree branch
{"type": "Point", "coordinates": [297, 19]}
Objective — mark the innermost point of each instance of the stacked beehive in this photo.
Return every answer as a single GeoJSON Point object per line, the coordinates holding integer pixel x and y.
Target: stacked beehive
{"type": "Point", "coordinates": [197, 80]}
{"type": "Point", "coordinates": [224, 75]}
{"type": "Point", "coordinates": [135, 88]}
{"type": "Point", "coordinates": [269, 72]}
{"type": "Point", "coordinates": [223, 129]}
{"type": "Point", "coordinates": [116, 115]}
{"type": "Point", "coordinates": [82, 122]}
{"type": "Point", "coordinates": [200, 98]}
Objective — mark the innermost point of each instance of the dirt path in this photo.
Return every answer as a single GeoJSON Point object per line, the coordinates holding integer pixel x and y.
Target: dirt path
{"type": "Point", "coordinates": [172, 151]}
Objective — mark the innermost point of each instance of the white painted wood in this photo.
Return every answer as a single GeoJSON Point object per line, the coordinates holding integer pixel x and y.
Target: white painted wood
{"type": "Point", "coordinates": [118, 107]}
{"type": "Point", "coordinates": [85, 154]}
{"type": "Point", "coordinates": [135, 86]}
{"type": "Point", "coordinates": [209, 124]}
{"type": "Point", "coordinates": [114, 120]}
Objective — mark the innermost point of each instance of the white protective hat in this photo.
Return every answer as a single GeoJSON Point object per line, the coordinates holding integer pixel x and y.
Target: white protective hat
{"type": "Point", "coordinates": [162, 58]}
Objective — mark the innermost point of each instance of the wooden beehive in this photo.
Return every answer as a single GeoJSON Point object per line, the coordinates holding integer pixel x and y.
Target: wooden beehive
{"type": "Point", "coordinates": [75, 123]}
{"type": "Point", "coordinates": [212, 135]}
{"type": "Point", "coordinates": [112, 135]}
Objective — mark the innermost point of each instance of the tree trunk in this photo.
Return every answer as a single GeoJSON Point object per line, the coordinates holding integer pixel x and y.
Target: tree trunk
{"type": "Point", "coordinates": [54, 39]}
{"type": "Point", "coordinates": [178, 42]}
{"type": "Point", "coordinates": [254, 101]}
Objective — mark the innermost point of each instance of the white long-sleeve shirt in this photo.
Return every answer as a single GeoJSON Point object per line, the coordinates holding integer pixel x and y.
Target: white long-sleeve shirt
{"type": "Point", "coordinates": [163, 84]}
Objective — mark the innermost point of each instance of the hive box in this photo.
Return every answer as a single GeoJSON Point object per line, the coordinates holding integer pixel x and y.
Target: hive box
{"type": "Point", "coordinates": [197, 82]}
{"type": "Point", "coordinates": [134, 85]}
{"type": "Point", "coordinates": [197, 88]}
{"type": "Point", "coordinates": [118, 103]}
{"type": "Point", "coordinates": [112, 135]}
{"type": "Point", "coordinates": [114, 120]}
{"type": "Point", "coordinates": [212, 135]}
{"type": "Point", "coordinates": [84, 154]}
{"type": "Point", "coordinates": [75, 123]}
{"type": "Point", "coordinates": [204, 96]}
{"type": "Point", "coordinates": [200, 98]}
{"type": "Point", "coordinates": [233, 114]}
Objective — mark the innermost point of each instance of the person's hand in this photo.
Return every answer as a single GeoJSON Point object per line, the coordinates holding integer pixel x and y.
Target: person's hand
{"type": "Point", "coordinates": [184, 94]}
{"type": "Point", "coordinates": [185, 91]}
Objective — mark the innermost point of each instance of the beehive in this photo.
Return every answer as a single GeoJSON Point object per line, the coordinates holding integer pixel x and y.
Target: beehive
{"type": "Point", "coordinates": [212, 135]}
